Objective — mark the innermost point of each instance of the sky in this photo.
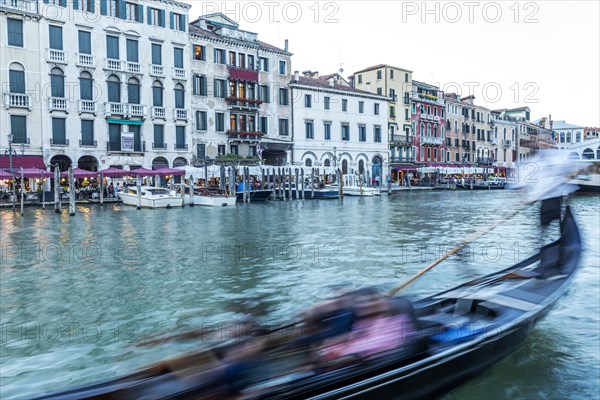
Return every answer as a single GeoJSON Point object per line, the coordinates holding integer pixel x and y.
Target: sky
{"type": "Point", "coordinates": [540, 54]}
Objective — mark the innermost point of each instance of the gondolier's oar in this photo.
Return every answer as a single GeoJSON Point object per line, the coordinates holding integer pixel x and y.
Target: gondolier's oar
{"type": "Point", "coordinates": [453, 251]}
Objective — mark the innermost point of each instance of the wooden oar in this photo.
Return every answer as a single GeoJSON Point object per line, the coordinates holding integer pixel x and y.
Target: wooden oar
{"type": "Point", "coordinates": [451, 252]}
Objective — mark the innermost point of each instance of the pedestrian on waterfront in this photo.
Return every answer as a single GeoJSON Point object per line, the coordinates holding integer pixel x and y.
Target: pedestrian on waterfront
{"type": "Point", "coordinates": [111, 190]}
{"type": "Point", "coordinates": [117, 189]}
{"type": "Point", "coordinates": [377, 180]}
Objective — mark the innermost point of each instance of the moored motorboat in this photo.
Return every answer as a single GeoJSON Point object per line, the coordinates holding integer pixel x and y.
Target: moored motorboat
{"type": "Point", "coordinates": [461, 332]}
{"type": "Point", "coordinates": [150, 197]}
{"type": "Point", "coordinates": [212, 197]}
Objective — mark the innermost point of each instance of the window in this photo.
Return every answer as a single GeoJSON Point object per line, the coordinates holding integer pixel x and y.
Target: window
{"type": "Point", "coordinates": [241, 60]}
{"type": "Point", "coordinates": [132, 12]}
{"type": "Point", "coordinates": [414, 108]}
{"type": "Point", "coordinates": [309, 129]}
{"type": "Point", "coordinates": [201, 121]}
{"type": "Point", "coordinates": [179, 96]}
{"type": "Point", "coordinates": [199, 85]}
{"type": "Point", "coordinates": [376, 108]}
{"type": "Point", "coordinates": [221, 149]}
{"type": "Point", "coordinates": [86, 86]}
{"type": "Point", "coordinates": [220, 122]}
{"type": "Point", "coordinates": [360, 78]}
{"type": "Point", "coordinates": [220, 88]}
{"type": "Point", "coordinates": [59, 134]}
{"type": "Point", "coordinates": [345, 131]}
{"type": "Point", "coordinates": [392, 112]}
{"type": "Point", "coordinates": [56, 37]}
{"type": "Point", "coordinates": [344, 105]}
{"type": "Point", "coordinates": [86, 5]}
{"type": "Point", "coordinates": [159, 137]}
{"type": "Point", "coordinates": [391, 74]}
{"type": "Point", "coordinates": [201, 151]}
{"type": "Point", "coordinates": [406, 116]}
{"type": "Point", "coordinates": [377, 134]}
{"type": "Point", "coordinates": [133, 91]}
{"type": "Point", "coordinates": [87, 132]}
{"type": "Point", "coordinates": [283, 97]}
{"type": "Point", "coordinates": [250, 62]}
{"type": "Point", "coordinates": [156, 17]}
{"type": "Point", "coordinates": [113, 8]}
{"type": "Point", "coordinates": [405, 77]}
{"type": "Point", "coordinates": [362, 133]}
{"type": "Point", "coordinates": [18, 128]}
{"type": "Point", "coordinates": [112, 47]}
{"type": "Point", "coordinates": [327, 130]}
{"type": "Point", "coordinates": [16, 81]}
{"type": "Point", "coordinates": [307, 101]}
{"type": "Point", "coordinates": [234, 149]}
{"type": "Point", "coordinates": [264, 93]}
{"type": "Point", "coordinates": [379, 91]}
{"type": "Point", "coordinates": [232, 60]}
{"type": "Point", "coordinates": [157, 94]}
{"type": "Point", "coordinates": [132, 50]}
{"type": "Point", "coordinates": [178, 57]}
{"type": "Point", "coordinates": [156, 54]}
{"type": "Point", "coordinates": [178, 22]}
{"type": "Point", "coordinates": [264, 124]}
{"type": "Point", "coordinates": [326, 103]}
{"type": "Point", "coordinates": [282, 67]}
{"type": "Point", "coordinates": [361, 107]}
{"type": "Point", "coordinates": [15, 32]}
{"type": "Point", "coordinates": [85, 42]}
{"type": "Point", "coordinates": [283, 127]}
{"type": "Point", "coordinates": [180, 137]}
{"type": "Point", "coordinates": [379, 74]}
{"type": "Point", "coordinates": [263, 64]}
{"type": "Point", "coordinates": [57, 83]}
{"type": "Point", "coordinates": [114, 89]}
{"type": "Point", "coordinates": [220, 56]}
{"type": "Point", "coordinates": [199, 52]}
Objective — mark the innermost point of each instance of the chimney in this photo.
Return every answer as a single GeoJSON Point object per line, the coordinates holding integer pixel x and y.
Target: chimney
{"type": "Point", "coordinates": [296, 76]}
{"type": "Point", "coordinates": [543, 122]}
{"type": "Point", "coordinates": [307, 74]}
{"type": "Point", "coordinates": [285, 46]}
{"type": "Point", "coordinates": [315, 74]}
{"type": "Point", "coordinates": [331, 82]}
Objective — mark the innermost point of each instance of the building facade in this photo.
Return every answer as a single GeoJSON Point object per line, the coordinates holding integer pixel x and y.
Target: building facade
{"type": "Point", "coordinates": [428, 113]}
{"type": "Point", "coordinates": [336, 125]}
{"type": "Point", "coordinates": [505, 134]}
{"type": "Point", "coordinates": [98, 101]}
{"type": "Point", "coordinates": [459, 135]}
{"type": "Point", "coordinates": [565, 134]}
{"type": "Point", "coordinates": [396, 83]}
{"type": "Point", "coordinates": [240, 99]}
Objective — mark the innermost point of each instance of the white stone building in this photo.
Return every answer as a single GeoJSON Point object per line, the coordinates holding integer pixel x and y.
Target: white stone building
{"type": "Point", "coordinates": [95, 84]}
{"type": "Point", "coordinates": [565, 134]}
{"type": "Point", "coordinates": [240, 99]}
{"type": "Point", "coordinates": [336, 125]}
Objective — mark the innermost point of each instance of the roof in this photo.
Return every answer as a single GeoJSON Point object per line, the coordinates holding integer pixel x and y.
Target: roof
{"type": "Point", "coordinates": [379, 66]}
{"type": "Point", "coordinates": [518, 109]}
{"type": "Point", "coordinates": [324, 84]}
{"type": "Point", "coordinates": [426, 85]}
{"type": "Point", "coordinates": [195, 29]}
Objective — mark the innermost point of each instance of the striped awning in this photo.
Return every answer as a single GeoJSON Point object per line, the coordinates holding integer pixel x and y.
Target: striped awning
{"type": "Point", "coordinates": [125, 122]}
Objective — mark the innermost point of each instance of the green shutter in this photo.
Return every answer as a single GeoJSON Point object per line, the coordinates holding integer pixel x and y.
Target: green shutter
{"type": "Point", "coordinates": [149, 16]}
{"type": "Point", "coordinates": [162, 18]}
{"type": "Point", "coordinates": [63, 3]}
{"type": "Point", "coordinates": [75, 4]}
{"type": "Point", "coordinates": [140, 13]}
{"type": "Point", "coordinates": [103, 7]}
{"type": "Point", "coordinates": [183, 24]}
{"type": "Point", "coordinates": [92, 6]}
{"type": "Point", "coordinates": [122, 9]}
{"type": "Point", "coordinates": [172, 20]}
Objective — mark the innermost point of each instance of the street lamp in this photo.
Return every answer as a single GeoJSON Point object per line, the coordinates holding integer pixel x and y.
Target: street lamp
{"type": "Point", "coordinates": [10, 152]}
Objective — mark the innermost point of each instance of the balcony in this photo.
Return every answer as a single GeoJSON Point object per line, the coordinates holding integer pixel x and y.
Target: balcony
{"type": "Point", "coordinates": [157, 70]}
{"type": "Point", "coordinates": [432, 140]}
{"type": "Point", "coordinates": [115, 109]}
{"type": "Point", "coordinates": [87, 106]}
{"type": "Point", "coordinates": [401, 139]}
{"type": "Point", "coordinates": [180, 114]}
{"type": "Point", "coordinates": [159, 112]}
{"type": "Point", "coordinates": [133, 67]}
{"type": "Point", "coordinates": [28, 6]}
{"type": "Point", "coordinates": [430, 117]}
{"type": "Point", "coordinates": [180, 146]}
{"type": "Point", "coordinates": [428, 98]}
{"type": "Point", "coordinates": [484, 160]}
{"type": "Point", "coordinates": [396, 160]}
{"type": "Point", "coordinates": [136, 110]}
{"type": "Point", "coordinates": [138, 147]}
{"type": "Point", "coordinates": [492, 141]}
{"type": "Point", "coordinates": [57, 56]}
{"type": "Point", "coordinates": [243, 103]}
{"type": "Point", "coordinates": [114, 65]}
{"type": "Point", "coordinates": [253, 135]}
{"type": "Point", "coordinates": [59, 142]}
{"type": "Point", "coordinates": [179, 73]}
{"type": "Point", "coordinates": [88, 143]}
{"type": "Point", "coordinates": [159, 146]}
{"type": "Point", "coordinates": [86, 60]}
{"type": "Point", "coordinates": [506, 143]}
{"type": "Point", "coordinates": [58, 104]}
{"type": "Point", "coordinates": [17, 100]}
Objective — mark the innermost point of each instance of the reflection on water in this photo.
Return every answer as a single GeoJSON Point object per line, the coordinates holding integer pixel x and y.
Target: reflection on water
{"type": "Point", "coordinates": [77, 293]}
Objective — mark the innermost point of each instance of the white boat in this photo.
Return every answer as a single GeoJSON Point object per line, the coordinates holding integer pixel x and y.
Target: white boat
{"type": "Point", "coordinates": [151, 197]}
{"type": "Point", "coordinates": [212, 197]}
{"type": "Point", "coordinates": [588, 179]}
{"type": "Point", "coordinates": [353, 186]}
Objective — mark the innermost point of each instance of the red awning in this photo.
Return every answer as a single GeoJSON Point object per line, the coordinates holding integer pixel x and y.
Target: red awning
{"type": "Point", "coordinates": [19, 161]}
{"type": "Point", "coordinates": [243, 75]}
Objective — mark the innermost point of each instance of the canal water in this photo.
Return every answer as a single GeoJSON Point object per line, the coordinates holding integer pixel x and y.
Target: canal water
{"type": "Point", "coordinates": [79, 294]}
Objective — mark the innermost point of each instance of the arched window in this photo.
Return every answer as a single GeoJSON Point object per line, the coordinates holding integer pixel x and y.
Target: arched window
{"type": "Point", "coordinates": [361, 167]}
{"type": "Point", "coordinates": [578, 137]}
{"type": "Point", "coordinates": [422, 127]}
{"type": "Point", "coordinates": [133, 91]}
{"type": "Point", "coordinates": [568, 137]}
{"type": "Point", "coordinates": [179, 96]}
{"type": "Point", "coordinates": [16, 78]}
{"type": "Point", "coordinates": [455, 126]}
{"type": "Point", "coordinates": [86, 91]}
{"type": "Point", "coordinates": [308, 162]}
{"type": "Point", "coordinates": [344, 167]}
{"type": "Point", "coordinates": [562, 137]}
{"type": "Point", "coordinates": [435, 130]}
{"type": "Point", "coordinates": [157, 94]}
{"type": "Point", "coordinates": [114, 89]}
{"type": "Point", "coordinates": [327, 163]}
{"type": "Point", "coordinates": [428, 130]}
{"type": "Point", "coordinates": [57, 83]}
